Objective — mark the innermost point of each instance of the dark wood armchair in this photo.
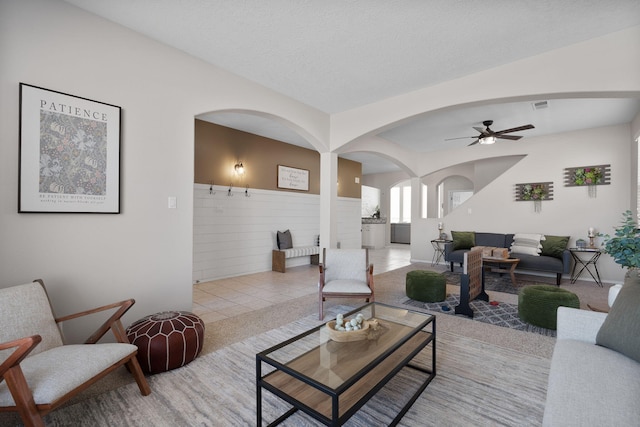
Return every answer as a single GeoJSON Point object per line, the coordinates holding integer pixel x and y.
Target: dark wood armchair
{"type": "Point", "coordinates": [38, 372]}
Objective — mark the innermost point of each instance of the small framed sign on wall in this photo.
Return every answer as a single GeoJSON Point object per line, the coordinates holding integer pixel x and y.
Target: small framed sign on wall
{"type": "Point", "coordinates": [293, 178]}
{"type": "Point", "coordinates": [69, 153]}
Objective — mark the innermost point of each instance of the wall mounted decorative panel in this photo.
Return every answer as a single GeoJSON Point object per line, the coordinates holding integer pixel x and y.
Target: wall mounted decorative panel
{"type": "Point", "coordinates": [587, 175]}
{"type": "Point", "coordinates": [533, 191]}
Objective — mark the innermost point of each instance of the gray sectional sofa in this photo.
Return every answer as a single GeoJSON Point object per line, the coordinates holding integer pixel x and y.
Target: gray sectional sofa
{"type": "Point", "coordinates": [559, 263]}
{"type": "Point", "coordinates": [596, 384]}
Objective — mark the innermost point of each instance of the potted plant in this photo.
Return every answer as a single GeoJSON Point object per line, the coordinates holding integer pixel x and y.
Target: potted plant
{"type": "Point", "coordinates": [376, 212]}
{"type": "Point", "coordinates": [625, 246]}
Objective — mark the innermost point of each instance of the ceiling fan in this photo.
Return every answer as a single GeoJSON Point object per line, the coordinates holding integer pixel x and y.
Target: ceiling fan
{"type": "Point", "coordinates": [487, 136]}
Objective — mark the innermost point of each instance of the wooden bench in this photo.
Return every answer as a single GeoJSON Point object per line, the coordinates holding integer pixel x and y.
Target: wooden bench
{"type": "Point", "coordinates": [279, 256]}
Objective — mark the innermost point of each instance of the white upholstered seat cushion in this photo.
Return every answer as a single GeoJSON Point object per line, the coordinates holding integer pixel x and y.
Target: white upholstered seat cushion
{"type": "Point", "coordinates": [301, 251]}
{"type": "Point", "coordinates": [346, 286]}
{"type": "Point", "coordinates": [25, 312]}
{"type": "Point", "coordinates": [55, 372]}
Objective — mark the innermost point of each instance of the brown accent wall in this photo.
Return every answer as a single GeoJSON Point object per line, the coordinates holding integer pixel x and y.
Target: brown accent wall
{"type": "Point", "coordinates": [218, 149]}
{"type": "Point", "coordinates": [348, 171]}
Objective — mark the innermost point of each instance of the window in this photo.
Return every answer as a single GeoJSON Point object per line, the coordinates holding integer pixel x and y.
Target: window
{"type": "Point", "coordinates": [423, 200]}
{"type": "Point", "coordinates": [395, 205]}
{"type": "Point", "coordinates": [400, 203]}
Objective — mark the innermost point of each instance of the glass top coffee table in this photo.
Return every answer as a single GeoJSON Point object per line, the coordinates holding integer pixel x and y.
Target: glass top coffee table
{"type": "Point", "coordinates": [331, 380]}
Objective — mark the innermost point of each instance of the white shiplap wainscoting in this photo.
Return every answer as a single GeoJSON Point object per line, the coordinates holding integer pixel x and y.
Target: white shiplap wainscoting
{"type": "Point", "coordinates": [349, 231]}
{"type": "Point", "coordinates": [235, 235]}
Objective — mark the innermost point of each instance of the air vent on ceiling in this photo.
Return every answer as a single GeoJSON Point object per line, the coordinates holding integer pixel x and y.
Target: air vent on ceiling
{"type": "Point", "coordinates": [540, 105]}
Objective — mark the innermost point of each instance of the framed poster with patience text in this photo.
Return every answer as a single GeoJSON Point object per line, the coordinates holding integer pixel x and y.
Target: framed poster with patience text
{"type": "Point", "coordinates": [293, 178]}
{"type": "Point", "coordinates": [69, 153]}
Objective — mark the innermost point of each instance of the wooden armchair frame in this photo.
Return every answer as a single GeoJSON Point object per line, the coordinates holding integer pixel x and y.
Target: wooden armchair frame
{"type": "Point", "coordinates": [11, 372]}
{"type": "Point", "coordinates": [321, 283]}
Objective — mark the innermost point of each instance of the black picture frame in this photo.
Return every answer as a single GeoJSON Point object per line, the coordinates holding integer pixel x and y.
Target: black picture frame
{"type": "Point", "coordinates": [69, 154]}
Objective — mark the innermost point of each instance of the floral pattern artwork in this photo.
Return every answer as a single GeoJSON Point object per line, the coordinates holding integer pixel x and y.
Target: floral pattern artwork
{"type": "Point", "coordinates": [70, 153]}
{"type": "Point", "coordinates": [73, 155]}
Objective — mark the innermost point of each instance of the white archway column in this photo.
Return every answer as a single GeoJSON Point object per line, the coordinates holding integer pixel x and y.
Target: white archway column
{"type": "Point", "coordinates": [328, 199]}
{"type": "Point", "coordinates": [417, 223]}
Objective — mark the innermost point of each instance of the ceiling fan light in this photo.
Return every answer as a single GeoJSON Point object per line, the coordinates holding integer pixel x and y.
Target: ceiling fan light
{"type": "Point", "coordinates": [488, 140]}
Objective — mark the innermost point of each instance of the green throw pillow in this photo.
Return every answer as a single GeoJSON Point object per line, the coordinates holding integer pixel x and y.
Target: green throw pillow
{"type": "Point", "coordinates": [621, 329]}
{"type": "Point", "coordinates": [463, 239]}
{"type": "Point", "coordinates": [554, 245]}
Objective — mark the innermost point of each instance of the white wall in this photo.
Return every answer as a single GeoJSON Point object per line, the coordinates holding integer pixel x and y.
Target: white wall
{"type": "Point", "coordinates": [146, 251]}
{"type": "Point", "coordinates": [349, 223]}
{"type": "Point", "coordinates": [571, 212]}
{"type": "Point", "coordinates": [235, 235]}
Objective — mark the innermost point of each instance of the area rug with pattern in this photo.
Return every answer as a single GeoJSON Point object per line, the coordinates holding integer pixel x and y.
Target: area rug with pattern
{"type": "Point", "coordinates": [476, 384]}
{"type": "Point", "coordinates": [501, 282]}
{"type": "Point", "coordinates": [499, 313]}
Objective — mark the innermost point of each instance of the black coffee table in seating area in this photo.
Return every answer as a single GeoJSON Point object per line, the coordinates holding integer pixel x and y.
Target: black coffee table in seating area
{"type": "Point", "coordinates": [331, 380]}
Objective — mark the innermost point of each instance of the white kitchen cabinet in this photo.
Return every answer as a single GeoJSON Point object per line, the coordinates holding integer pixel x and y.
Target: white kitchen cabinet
{"type": "Point", "coordinates": [373, 236]}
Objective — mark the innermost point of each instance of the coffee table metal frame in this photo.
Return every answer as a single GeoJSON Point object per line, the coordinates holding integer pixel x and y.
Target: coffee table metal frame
{"type": "Point", "coordinates": [406, 347]}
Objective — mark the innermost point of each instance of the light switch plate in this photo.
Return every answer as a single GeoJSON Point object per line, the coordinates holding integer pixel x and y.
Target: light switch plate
{"type": "Point", "coordinates": [173, 202]}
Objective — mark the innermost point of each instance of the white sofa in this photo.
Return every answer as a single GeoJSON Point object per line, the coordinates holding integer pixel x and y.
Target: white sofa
{"type": "Point", "coordinates": [590, 385]}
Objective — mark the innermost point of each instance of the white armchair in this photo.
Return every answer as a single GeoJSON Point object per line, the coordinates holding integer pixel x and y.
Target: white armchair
{"type": "Point", "coordinates": [38, 373]}
{"type": "Point", "coordinates": [345, 273]}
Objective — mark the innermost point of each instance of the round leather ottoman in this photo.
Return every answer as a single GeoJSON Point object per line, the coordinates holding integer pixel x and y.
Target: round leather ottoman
{"type": "Point", "coordinates": [538, 304]}
{"type": "Point", "coordinates": [426, 286]}
{"type": "Point", "coordinates": [167, 340]}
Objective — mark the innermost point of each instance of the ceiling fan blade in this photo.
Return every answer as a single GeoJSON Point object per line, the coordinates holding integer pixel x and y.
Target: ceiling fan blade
{"type": "Point", "coordinates": [525, 127]}
{"type": "Point", "coordinates": [473, 143]}
{"type": "Point", "coordinates": [462, 137]}
{"type": "Point", "coordinates": [511, 137]}
{"type": "Point", "coordinates": [482, 131]}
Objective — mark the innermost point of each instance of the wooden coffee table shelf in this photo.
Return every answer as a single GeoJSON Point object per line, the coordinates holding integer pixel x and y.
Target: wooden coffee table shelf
{"type": "Point", "coordinates": [333, 380]}
{"type": "Point", "coordinates": [494, 264]}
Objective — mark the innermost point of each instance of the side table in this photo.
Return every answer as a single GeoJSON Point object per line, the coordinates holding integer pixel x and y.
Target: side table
{"type": "Point", "coordinates": [584, 263]}
{"type": "Point", "coordinates": [438, 250]}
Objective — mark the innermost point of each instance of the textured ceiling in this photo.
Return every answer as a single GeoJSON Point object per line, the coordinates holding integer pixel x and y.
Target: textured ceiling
{"type": "Point", "coordinates": [339, 54]}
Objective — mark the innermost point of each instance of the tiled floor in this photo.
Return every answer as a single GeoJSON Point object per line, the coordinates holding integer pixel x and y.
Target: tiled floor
{"type": "Point", "coordinates": [220, 299]}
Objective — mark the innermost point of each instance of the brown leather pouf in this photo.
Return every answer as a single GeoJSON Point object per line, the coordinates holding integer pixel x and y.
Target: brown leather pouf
{"type": "Point", "coordinates": [167, 340]}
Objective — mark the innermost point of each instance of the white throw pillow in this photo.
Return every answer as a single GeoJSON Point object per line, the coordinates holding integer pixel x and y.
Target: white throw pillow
{"type": "Point", "coordinates": [525, 250]}
{"type": "Point", "coordinates": [533, 236]}
{"type": "Point", "coordinates": [532, 243]}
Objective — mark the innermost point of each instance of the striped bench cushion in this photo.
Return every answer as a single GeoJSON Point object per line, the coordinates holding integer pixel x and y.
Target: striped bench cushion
{"type": "Point", "coordinates": [301, 251]}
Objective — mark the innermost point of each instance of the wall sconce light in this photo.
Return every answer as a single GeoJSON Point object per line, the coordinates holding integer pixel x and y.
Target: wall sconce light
{"type": "Point", "coordinates": [239, 168]}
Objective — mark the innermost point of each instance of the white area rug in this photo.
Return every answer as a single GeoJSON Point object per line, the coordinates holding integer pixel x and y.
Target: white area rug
{"type": "Point", "coordinates": [476, 384]}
